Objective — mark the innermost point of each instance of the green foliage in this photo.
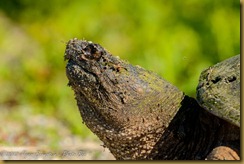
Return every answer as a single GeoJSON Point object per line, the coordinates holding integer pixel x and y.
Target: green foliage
{"type": "Point", "coordinates": [176, 39]}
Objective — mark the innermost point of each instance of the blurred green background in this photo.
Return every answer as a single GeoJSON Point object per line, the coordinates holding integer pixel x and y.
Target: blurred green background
{"type": "Point", "coordinates": [176, 39]}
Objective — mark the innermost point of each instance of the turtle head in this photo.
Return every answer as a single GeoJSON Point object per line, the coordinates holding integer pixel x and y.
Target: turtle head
{"type": "Point", "coordinates": [127, 107]}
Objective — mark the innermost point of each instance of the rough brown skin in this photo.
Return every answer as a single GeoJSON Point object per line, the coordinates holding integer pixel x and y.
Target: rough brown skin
{"type": "Point", "coordinates": [137, 114]}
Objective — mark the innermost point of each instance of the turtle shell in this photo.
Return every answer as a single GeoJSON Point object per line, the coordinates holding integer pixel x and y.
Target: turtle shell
{"type": "Point", "coordinates": [218, 90]}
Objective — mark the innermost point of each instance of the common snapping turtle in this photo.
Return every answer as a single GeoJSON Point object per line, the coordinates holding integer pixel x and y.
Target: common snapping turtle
{"type": "Point", "coordinates": [139, 115]}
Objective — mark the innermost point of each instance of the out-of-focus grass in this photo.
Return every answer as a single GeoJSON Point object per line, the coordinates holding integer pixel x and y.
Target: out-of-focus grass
{"type": "Point", "coordinates": [176, 39]}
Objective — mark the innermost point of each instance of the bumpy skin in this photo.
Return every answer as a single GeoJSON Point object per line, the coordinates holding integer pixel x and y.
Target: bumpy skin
{"type": "Point", "coordinates": [219, 90]}
{"type": "Point", "coordinates": [137, 114]}
{"type": "Point", "coordinates": [116, 100]}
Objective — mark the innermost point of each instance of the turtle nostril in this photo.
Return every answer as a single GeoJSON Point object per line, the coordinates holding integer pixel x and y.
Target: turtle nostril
{"type": "Point", "coordinates": [231, 79]}
{"type": "Point", "coordinates": [217, 79]}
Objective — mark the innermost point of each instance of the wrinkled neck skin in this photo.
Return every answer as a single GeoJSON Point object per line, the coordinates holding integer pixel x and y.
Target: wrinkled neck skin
{"type": "Point", "coordinates": [193, 133]}
{"type": "Point", "coordinates": [137, 114]}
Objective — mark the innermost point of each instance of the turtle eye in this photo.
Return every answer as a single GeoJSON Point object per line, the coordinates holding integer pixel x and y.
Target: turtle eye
{"type": "Point", "coordinates": [91, 52]}
{"type": "Point", "coordinates": [87, 49]}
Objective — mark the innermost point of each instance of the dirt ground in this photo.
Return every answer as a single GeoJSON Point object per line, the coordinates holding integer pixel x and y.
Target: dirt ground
{"type": "Point", "coordinates": [41, 137]}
